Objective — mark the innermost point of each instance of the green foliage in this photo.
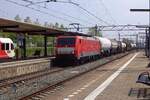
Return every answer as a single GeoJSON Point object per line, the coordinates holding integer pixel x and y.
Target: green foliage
{"type": "Point", "coordinates": [100, 34]}
{"type": "Point", "coordinates": [35, 42]}
{"type": "Point", "coordinates": [61, 26]}
{"type": "Point", "coordinates": [36, 22]}
{"type": "Point", "coordinates": [17, 18]}
{"type": "Point", "coordinates": [92, 31]}
{"type": "Point", "coordinates": [8, 35]}
{"type": "Point", "coordinates": [28, 20]}
{"type": "Point", "coordinates": [56, 25]}
{"type": "Point", "coordinates": [31, 50]}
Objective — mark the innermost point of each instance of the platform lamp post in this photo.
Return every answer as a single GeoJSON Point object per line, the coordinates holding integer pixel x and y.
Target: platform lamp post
{"type": "Point", "coordinates": [147, 41]}
{"type": "Point", "coordinates": [119, 36]}
{"type": "Point", "coordinates": [145, 10]}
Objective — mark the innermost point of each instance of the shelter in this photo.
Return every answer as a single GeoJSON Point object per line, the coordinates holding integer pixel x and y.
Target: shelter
{"type": "Point", "coordinates": [22, 28]}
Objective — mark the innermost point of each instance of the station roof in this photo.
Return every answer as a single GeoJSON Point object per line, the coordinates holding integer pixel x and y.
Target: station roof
{"type": "Point", "coordinates": [32, 29]}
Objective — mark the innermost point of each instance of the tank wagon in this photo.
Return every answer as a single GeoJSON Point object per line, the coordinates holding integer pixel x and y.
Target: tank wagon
{"type": "Point", "coordinates": [123, 45]}
{"type": "Point", "coordinates": [133, 46]}
{"type": "Point", "coordinates": [105, 46]}
{"type": "Point", "coordinates": [114, 46]}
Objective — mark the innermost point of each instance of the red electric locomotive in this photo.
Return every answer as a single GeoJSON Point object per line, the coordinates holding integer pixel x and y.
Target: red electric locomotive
{"type": "Point", "coordinates": [77, 48]}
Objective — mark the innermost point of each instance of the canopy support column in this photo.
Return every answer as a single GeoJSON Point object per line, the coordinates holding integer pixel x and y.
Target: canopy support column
{"type": "Point", "coordinates": [45, 45]}
{"type": "Point", "coordinates": [24, 47]}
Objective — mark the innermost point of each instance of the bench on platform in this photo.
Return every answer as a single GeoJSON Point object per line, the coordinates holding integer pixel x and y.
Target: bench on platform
{"type": "Point", "coordinates": [144, 78]}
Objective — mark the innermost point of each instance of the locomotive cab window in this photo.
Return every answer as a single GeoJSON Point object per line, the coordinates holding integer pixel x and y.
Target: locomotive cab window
{"type": "Point", "coordinates": [66, 41]}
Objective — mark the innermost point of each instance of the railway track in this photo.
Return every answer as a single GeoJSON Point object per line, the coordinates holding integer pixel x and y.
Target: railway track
{"type": "Point", "coordinates": [32, 85]}
{"type": "Point", "coordinates": [46, 90]}
{"type": "Point", "coordinates": [7, 84]}
{"type": "Point", "coordinates": [27, 77]}
{"type": "Point", "coordinates": [18, 68]}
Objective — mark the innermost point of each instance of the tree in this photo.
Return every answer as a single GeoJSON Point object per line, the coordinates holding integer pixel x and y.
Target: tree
{"type": "Point", "coordinates": [51, 25]}
{"type": "Point", "coordinates": [37, 22]}
{"type": "Point", "coordinates": [93, 31]}
{"type": "Point", "coordinates": [17, 18]}
{"type": "Point", "coordinates": [62, 27]}
{"type": "Point", "coordinates": [27, 20]}
{"type": "Point", "coordinates": [56, 25]}
{"type": "Point", "coordinates": [46, 24]}
{"type": "Point", "coordinates": [99, 33]}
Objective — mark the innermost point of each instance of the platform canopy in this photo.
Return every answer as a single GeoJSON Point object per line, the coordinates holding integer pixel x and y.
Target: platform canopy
{"type": "Point", "coordinates": [32, 29]}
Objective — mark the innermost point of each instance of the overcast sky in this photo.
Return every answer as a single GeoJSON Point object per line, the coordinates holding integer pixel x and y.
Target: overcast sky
{"type": "Point", "coordinates": [111, 11]}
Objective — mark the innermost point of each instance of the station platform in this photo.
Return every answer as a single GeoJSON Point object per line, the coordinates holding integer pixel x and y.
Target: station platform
{"type": "Point", "coordinates": [113, 81]}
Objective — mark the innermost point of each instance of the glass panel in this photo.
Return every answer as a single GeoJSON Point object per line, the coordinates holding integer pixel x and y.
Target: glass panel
{"type": "Point", "coordinates": [7, 46]}
{"type": "Point", "coordinates": [66, 41]}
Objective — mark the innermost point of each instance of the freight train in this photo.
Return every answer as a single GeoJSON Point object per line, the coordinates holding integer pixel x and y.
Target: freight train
{"type": "Point", "coordinates": [75, 48]}
{"type": "Point", "coordinates": [80, 48]}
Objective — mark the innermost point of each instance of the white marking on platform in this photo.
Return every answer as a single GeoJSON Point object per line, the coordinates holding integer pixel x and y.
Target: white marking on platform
{"type": "Point", "coordinates": [82, 88]}
{"type": "Point", "coordinates": [51, 92]}
{"type": "Point", "coordinates": [104, 85]}
{"type": "Point", "coordinates": [74, 72]}
{"type": "Point", "coordinates": [118, 64]}
{"type": "Point", "coordinates": [41, 96]}
{"type": "Point", "coordinates": [75, 93]}
{"type": "Point", "coordinates": [71, 96]}
{"type": "Point", "coordinates": [79, 90]}
{"type": "Point", "coordinates": [85, 86]}
{"type": "Point", "coordinates": [66, 98]}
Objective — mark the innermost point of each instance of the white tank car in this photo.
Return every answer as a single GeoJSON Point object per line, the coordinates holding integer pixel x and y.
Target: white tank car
{"type": "Point", "coordinates": [105, 44]}
{"type": "Point", "coordinates": [123, 45]}
{"type": "Point", "coordinates": [114, 44]}
{"type": "Point", "coordinates": [133, 45]}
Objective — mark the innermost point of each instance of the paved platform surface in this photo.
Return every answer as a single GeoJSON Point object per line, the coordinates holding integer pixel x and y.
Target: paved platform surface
{"type": "Point", "coordinates": [113, 81]}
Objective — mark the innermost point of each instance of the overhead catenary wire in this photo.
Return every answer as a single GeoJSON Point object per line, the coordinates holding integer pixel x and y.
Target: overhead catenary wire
{"type": "Point", "coordinates": [66, 20]}
{"type": "Point", "coordinates": [107, 11]}
{"type": "Point", "coordinates": [101, 20]}
{"type": "Point", "coordinates": [119, 28]}
{"type": "Point", "coordinates": [84, 9]}
{"type": "Point", "coordinates": [4, 12]}
{"type": "Point", "coordinates": [81, 20]}
{"type": "Point", "coordinates": [39, 2]}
